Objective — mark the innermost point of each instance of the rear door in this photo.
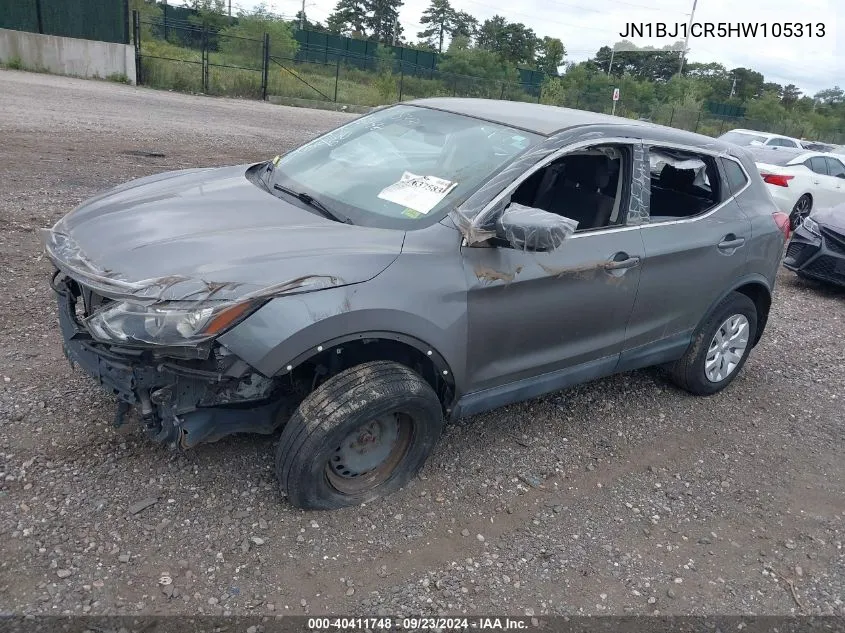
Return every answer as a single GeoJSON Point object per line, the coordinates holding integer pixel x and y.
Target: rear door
{"type": "Point", "coordinates": [822, 187]}
{"type": "Point", "coordinates": [836, 180]}
{"type": "Point", "coordinates": [691, 259]}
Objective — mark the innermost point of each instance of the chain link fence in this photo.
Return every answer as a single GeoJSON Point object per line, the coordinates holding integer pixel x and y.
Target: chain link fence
{"type": "Point", "coordinates": [179, 55]}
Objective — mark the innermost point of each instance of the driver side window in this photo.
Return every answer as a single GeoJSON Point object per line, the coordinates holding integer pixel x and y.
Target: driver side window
{"type": "Point", "coordinates": [587, 185]}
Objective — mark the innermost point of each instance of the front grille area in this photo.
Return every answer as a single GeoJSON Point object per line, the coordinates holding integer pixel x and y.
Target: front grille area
{"type": "Point", "coordinates": [825, 267]}
{"type": "Point", "coordinates": [834, 241]}
{"type": "Point", "coordinates": [795, 249]}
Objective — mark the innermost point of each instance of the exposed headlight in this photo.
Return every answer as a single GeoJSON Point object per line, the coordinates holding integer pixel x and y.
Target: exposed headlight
{"type": "Point", "coordinates": [812, 226]}
{"type": "Point", "coordinates": [175, 323]}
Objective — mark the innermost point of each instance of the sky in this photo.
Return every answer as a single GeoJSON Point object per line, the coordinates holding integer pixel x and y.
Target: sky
{"type": "Point", "coordinates": [811, 63]}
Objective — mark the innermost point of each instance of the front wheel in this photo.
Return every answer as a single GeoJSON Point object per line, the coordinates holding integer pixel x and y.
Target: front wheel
{"type": "Point", "coordinates": [800, 211]}
{"type": "Point", "coordinates": [361, 435]}
{"type": "Point", "coordinates": [719, 347]}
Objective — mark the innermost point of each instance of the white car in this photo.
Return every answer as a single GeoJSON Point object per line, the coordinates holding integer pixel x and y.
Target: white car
{"type": "Point", "coordinates": [800, 180]}
{"type": "Point", "coordinates": [751, 138]}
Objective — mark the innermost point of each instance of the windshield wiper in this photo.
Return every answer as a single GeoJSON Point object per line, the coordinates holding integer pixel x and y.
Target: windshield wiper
{"type": "Point", "coordinates": [313, 203]}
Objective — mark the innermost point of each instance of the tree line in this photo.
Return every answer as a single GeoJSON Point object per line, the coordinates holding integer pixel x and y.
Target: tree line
{"type": "Point", "coordinates": [493, 49]}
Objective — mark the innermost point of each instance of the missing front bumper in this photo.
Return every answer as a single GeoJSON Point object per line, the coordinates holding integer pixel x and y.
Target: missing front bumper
{"type": "Point", "coordinates": [181, 402]}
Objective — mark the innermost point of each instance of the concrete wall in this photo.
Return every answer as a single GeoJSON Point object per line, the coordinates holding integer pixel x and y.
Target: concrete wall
{"type": "Point", "coordinates": [67, 55]}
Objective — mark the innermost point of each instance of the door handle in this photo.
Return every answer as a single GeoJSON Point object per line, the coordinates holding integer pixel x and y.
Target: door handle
{"type": "Point", "coordinates": [622, 264]}
{"type": "Point", "coordinates": [730, 242]}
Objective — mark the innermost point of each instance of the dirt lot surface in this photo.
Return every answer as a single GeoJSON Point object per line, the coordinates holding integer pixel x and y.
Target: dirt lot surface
{"type": "Point", "coordinates": [623, 496]}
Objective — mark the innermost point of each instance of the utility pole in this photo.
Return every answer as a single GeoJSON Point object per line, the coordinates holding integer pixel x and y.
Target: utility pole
{"type": "Point", "coordinates": [686, 39]}
{"type": "Point", "coordinates": [395, 29]}
{"type": "Point", "coordinates": [302, 17]}
{"type": "Point", "coordinates": [733, 87]}
{"type": "Point", "coordinates": [610, 65]}
{"type": "Point", "coordinates": [230, 8]}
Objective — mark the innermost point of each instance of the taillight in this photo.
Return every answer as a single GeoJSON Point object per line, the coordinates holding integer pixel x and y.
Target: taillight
{"type": "Point", "coordinates": [776, 179]}
{"type": "Point", "coordinates": [782, 220]}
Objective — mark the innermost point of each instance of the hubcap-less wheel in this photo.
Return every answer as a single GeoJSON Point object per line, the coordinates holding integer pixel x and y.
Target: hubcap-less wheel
{"type": "Point", "coordinates": [800, 211]}
{"type": "Point", "coordinates": [369, 454]}
{"type": "Point", "coordinates": [727, 348]}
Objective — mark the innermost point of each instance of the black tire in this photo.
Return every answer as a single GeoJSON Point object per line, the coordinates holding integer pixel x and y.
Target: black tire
{"type": "Point", "coordinates": [689, 371]}
{"type": "Point", "coordinates": [798, 213]}
{"type": "Point", "coordinates": [308, 452]}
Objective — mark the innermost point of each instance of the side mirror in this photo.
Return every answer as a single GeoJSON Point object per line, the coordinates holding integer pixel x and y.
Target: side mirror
{"type": "Point", "coordinates": [530, 229]}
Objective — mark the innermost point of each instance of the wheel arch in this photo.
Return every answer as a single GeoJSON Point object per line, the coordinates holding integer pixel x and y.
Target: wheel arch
{"type": "Point", "coordinates": [757, 288]}
{"type": "Point", "coordinates": [341, 352]}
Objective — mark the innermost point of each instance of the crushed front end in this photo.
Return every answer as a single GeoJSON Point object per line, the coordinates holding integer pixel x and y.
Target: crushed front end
{"type": "Point", "coordinates": [184, 395]}
{"type": "Point", "coordinates": [817, 250]}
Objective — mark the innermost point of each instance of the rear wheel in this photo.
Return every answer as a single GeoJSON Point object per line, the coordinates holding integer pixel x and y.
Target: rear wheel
{"type": "Point", "coordinates": [800, 211]}
{"type": "Point", "coordinates": [719, 347]}
{"type": "Point", "coordinates": [361, 435]}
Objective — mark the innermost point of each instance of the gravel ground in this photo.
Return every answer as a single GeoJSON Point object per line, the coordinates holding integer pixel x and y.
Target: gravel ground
{"type": "Point", "coordinates": [622, 496]}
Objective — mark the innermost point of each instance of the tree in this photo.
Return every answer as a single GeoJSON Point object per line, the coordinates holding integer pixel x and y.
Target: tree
{"type": "Point", "coordinates": [210, 14]}
{"type": "Point", "coordinates": [749, 83]}
{"type": "Point", "coordinates": [771, 87]}
{"type": "Point", "coordinates": [790, 95]}
{"type": "Point", "coordinates": [550, 56]}
{"type": "Point", "coordinates": [464, 25]}
{"type": "Point", "coordinates": [477, 62]}
{"type": "Point", "coordinates": [383, 20]}
{"type": "Point", "coordinates": [520, 44]}
{"type": "Point", "coordinates": [440, 18]}
{"type": "Point", "coordinates": [302, 19]}
{"type": "Point", "coordinates": [830, 95]}
{"type": "Point", "coordinates": [250, 27]}
{"type": "Point", "coordinates": [348, 18]}
{"type": "Point", "coordinates": [491, 35]}
{"type": "Point", "coordinates": [513, 42]}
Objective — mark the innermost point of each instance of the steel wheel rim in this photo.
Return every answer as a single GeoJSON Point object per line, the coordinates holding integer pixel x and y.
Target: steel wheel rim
{"type": "Point", "coordinates": [801, 211]}
{"type": "Point", "coordinates": [368, 456]}
{"type": "Point", "coordinates": [727, 348]}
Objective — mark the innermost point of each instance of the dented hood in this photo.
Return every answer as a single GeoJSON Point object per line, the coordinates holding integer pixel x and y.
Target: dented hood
{"type": "Point", "coordinates": [211, 233]}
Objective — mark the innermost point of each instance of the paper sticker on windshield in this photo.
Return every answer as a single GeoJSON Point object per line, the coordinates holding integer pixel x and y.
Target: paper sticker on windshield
{"type": "Point", "coordinates": [276, 161]}
{"type": "Point", "coordinates": [420, 193]}
{"type": "Point", "coordinates": [410, 213]}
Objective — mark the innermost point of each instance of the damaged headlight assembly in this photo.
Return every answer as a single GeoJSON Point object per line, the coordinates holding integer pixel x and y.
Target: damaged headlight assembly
{"type": "Point", "coordinates": [811, 226]}
{"type": "Point", "coordinates": [172, 323]}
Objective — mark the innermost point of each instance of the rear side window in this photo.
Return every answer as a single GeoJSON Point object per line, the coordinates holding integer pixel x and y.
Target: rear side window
{"type": "Point", "coordinates": [683, 184]}
{"type": "Point", "coordinates": [817, 164]}
{"type": "Point", "coordinates": [782, 142]}
{"type": "Point", "coordinates": [736, 177]}
{"type": "Point", "coordinates": [835, 167]}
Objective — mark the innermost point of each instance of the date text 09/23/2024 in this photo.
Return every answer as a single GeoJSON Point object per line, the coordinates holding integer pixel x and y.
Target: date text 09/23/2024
{"type": "Point", "coordinates": [419, 624]}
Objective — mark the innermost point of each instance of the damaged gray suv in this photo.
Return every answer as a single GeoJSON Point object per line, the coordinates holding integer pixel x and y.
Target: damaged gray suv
{"type": "Point", "coordinates": [427, 261]}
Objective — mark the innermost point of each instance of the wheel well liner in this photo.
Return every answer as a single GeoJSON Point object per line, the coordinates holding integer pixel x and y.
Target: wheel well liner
{"type": "Point", "coordinates": [342, 352]}
{"type": "Point", "coordinates": [760, 294]}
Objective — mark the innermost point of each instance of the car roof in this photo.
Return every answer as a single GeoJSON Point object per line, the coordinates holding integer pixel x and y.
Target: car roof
{"type": "Point", "coordinates": [768, 135]}
{"type": "Point", "coordinates": [773, 155]}
{"type": "Point", "coordinates": [755, 132]}
{"type": "Point", "coordinates": [547, 119]}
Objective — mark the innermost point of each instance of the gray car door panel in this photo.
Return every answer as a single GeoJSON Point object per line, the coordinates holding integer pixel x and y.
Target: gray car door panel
{"type": "Point", "coordinates": [688, 264]}
{"type": "Point", "coordinates": [535, 313]}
